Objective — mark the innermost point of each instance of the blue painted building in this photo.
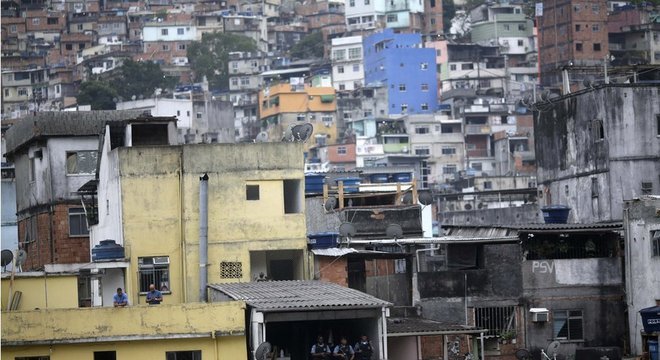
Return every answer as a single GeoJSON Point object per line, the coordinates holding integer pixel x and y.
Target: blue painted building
{"type": "Point", "coordinates": [399, 62]}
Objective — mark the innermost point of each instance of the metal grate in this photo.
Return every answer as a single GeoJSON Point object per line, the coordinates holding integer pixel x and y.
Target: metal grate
{"type": "Point", "coordinates": [231, 270]}
{"type": "Point", "coordinates": [498, 320]}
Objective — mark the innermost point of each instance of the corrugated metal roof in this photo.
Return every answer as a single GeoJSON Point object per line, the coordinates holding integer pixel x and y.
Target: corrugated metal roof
{"type": "Point", "coordinates": [337, 252]}
{"type": "Point", "coordinates": [437, 240]}
{"type": "Point", "coordinates": [270, 296]}
{"type": "Point", "coordinates": [568, 227]}
{"type": "Point", "coordinates": [420, 326]}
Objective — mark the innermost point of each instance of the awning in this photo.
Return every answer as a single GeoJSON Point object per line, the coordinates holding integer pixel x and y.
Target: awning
{"type": "Point", "coordinates": [327, 98]}
{"type": "Point", "coordinates": [398, 327]}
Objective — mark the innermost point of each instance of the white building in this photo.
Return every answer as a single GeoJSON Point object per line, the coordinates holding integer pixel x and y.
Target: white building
{"type": "Point", "coordinates": [162, 31]}
{"type": "Point", "coordinates": [347, 63]}
{"type": "Point", "coordinates": [373, 14]}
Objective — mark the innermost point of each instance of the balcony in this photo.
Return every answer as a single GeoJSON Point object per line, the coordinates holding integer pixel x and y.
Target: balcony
{"type": "Point", "coordinates": [481, 129]}
{"type": "Point", "coordinates": [402, 148]}
{"type": "Point", "coordinates": [82, 325]}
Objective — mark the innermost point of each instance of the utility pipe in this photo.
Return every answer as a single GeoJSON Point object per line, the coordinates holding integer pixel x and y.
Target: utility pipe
{"type": "Point", "coordinates": [203, 235]}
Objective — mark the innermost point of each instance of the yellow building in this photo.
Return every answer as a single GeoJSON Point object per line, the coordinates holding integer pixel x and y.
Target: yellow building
{"type": "Point", "coordinates": [57, 329]}
{"type": "Point", "coordinates": [284, 104]}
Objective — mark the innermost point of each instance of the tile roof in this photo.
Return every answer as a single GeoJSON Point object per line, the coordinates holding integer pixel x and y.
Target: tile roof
{"type": "Point", "coordinates": [297, 295]}
{"type": "Point", "coordinates": [419, 326]}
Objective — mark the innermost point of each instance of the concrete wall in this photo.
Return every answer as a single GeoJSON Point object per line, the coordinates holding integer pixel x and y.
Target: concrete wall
{"type": "Point", "coordinates": [642, 268]}
{"type": "Point", "coordinates": [402, 348]}
{"type": "Point", "coordinates": [554, 276]}
{"type": "Point", "coordinates": [394, 288]}
{"type": "Point", "coordinates": [524, 214]}
{"type": "Point", "coordinates": [571, 157]}
{"type": "Point", "coordinates": [41, 292]}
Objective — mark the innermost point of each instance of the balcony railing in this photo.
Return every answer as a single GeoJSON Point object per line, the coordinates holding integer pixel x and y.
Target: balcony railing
{"type": "Point", "coordinates": [477, 129]}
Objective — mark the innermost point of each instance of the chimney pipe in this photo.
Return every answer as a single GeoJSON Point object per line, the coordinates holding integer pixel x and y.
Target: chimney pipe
{"type": "Point", "coordinates": [203, 235]}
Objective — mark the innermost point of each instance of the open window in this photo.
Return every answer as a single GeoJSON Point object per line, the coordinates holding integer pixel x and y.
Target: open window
{"type": "Point", "coordinates": [293, 195]}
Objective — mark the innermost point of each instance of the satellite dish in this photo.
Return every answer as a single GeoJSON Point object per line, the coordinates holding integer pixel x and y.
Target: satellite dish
{"type": "Point", "coordinates": [406, 198]}
{"type": "Point", "coordinates": [261, 137]}
{"type": "Point", "coordinates": [330, 203]}
{"type": "Point", "coordinates": [588, 82]}
{"type": "Point", "coordinates": [545, 95]}
{"type": "Point", "coordinates": [262, 351]}
{"type": "Point", "coordinates": [425, 197]}
{"type": "Point", "coordinates": [523, 354]}
{"type": "Point", "coordinates": [553, 348]}
{"type": "Point", "coordinates": [21, 256]}
{"type": "Point", "coordinates": [6, 256]}
{"type": "Point", "coordinates": [288, 134]}
{"type": "Point", "coordinates": [347, 230]}
{"type": "Point", "coordinates": [302, 132]}
{"type": "Point", "coordinates": [394, 231]}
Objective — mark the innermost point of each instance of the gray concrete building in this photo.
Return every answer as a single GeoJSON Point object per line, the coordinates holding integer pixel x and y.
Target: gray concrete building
{"type": "Point", "coordinates": [597, 148]}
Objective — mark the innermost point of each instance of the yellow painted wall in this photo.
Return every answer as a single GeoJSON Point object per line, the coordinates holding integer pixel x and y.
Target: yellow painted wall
{"type": "Point", "coordinates": [160, 208]}
{"type": "Point", "coordinates": [296, 102]}
{"type": "Point", "coordinates": [52, 292]}
{"type": "Point", "coordinates": [226, 347]}
{"type": "Point", "coordinates": [101, 323]}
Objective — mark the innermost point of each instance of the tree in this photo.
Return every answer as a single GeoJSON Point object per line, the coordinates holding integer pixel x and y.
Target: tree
{"type": "Point", "coordinates": [210, 57]}
{"type": "Point", "coordinates": [139, 78]}
{"type": "Point", "coordinates": [98, 94]}
{"type": "Point", "coordinates": [309, 47]}
{"type": "Point", "coordinates": [448, 13]}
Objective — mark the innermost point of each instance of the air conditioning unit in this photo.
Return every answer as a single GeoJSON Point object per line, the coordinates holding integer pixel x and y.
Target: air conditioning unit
{"type": "Point", "coordinates": [540, 315]}
{"type": "Point", "coordinates": [161, 260]}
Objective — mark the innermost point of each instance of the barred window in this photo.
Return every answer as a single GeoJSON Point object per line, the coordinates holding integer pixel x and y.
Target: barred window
{"type": "Point", "coordinates": [154, 270]}
{"type": "Point", "coordinates": [231, 270]}
{"type": "Point", "coordinates": [498, 320]}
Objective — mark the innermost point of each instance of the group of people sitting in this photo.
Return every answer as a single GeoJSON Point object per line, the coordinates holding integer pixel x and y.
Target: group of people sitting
{"type": "Point", "coordinates": [361, 351]}
{"type": "Point", "coordinates": [154, 297]}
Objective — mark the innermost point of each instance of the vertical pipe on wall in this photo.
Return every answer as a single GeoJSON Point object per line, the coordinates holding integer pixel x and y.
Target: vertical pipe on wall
{"type": "Point", "coordinates": [203, 235]}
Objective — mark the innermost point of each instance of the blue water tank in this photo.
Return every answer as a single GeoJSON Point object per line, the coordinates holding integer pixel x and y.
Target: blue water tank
{"type": "Point", "coordinates": [323, 240]}
{"type": "Point", "coordinates": [378, 178]}
{"type": "Point", "coordinates": [402, 177]}
{"type": "Point", "coordinates": [314, 183]}
{"type": "Point", "coordinates": [107, 250]}
{"type": "Point", "coordinates": [351, 185]}
{"type": "Point", "coordinates": [653, 349]}
{"type": "Point", "coordinates": [555, 214]}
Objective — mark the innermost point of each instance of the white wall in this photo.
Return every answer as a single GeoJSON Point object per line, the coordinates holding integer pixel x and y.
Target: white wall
{"type": "Point", "coordinates": [154, 33]}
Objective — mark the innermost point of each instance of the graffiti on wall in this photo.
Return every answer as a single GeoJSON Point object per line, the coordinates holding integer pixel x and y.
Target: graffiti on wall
{"type": "Point", "coordinates": [543, 266]}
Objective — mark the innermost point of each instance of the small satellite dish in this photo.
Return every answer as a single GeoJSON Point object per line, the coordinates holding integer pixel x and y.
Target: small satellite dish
{"type": "Point", "coordinates": [523, 354]}
{"type": "Point", "coordinates": [394, 231]}
{"type": "Point", "coordinates": [21, 256]}
{"type": "Point", "coordinates": [347, 230]}
{"type": "Point", "coordinates": [545, 95]}
{"type": "Point", "coordinates": [406, 198]}
{"type": "Point", "coordinates": [261, 137]}
{"type": "Point", "coordinates": [302, 132]}
{"type": "Point", "coordinates": [288, 134]}
{"type": "Point", "coordinates": [6, 256]}
{"type": "Point", "coordinates": [330, 204]}
{"type": "Point", "coordinates": [262, 351]}
{"type": "Point", "coordinates": [553, 348]}
{"type": "Point", "coordinates": [425, 197]}
{"type": "Point", "coordinates": [588, 82]}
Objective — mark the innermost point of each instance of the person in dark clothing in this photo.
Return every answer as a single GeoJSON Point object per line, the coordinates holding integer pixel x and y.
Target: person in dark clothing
{"type": "Point", "coordinates": [363, 349]}
{"type": "Point", "coordinates": [343, 351]}
{"type": "Point", "coordinates": [320, 350]}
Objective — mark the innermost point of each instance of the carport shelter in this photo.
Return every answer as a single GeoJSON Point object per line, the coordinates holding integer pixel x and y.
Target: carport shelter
{"type": "Point", "coordinates": [291, 314]}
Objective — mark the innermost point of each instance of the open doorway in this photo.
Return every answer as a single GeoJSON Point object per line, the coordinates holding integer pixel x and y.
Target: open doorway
{"type": "Point", "coordinates": [276, 265]}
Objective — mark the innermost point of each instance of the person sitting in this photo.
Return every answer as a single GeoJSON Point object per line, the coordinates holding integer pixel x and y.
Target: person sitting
{"type": "Point", "coordinates": [120, 299]}
{"type": "Point", "coordinates": [363, 348]}
{"type": "Point", "coordinates": [320, 350]}
{"type": "Point", "coordinates": [154, 297]}
{"type": "Point", "coordinates": [343, 351]}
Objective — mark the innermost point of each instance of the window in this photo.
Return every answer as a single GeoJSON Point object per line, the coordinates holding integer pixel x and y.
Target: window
{"type": "Point", "coordinates": [12, 29]}
{"type": "Point", "coordinates": [594, 187]}
{"type": "Point", "coordinates": [342, 87]}
{"type": "Point", "coordinates": [354, 53]}
{"type": "Point", "coordinates": [340, 69]}
{"type": "Point", "coordinates": [245, 81]}
{"type": "Point", "coordinates": [340, 54]}
{"type": "Point", "coordinates": [163, 31]}
{"type": "Point", "coordinates": [452, 67]}
{"type": "Point", "coordinates": [351, 3]}
{"type": "Point", "coordinates": [181, 47]}
{"type": "Point", "coordinates": [657, 124]}
{"type": "Point", "coordinates": [567, 324]}
{"type": "Point", "coordinates": [231, 270]}
{"type": "Point", "coordinates": [468, 66]}
{"type": "Point", "coordinates": [234, 81]}
{"type": "Point", "coordinates": [595, 8]}
{"type": "Point", "coordinates": [438, 52]}
{"type": "Point", "coordinates": [179, 31]}
{"type": "Point", "coordinates": [506, 27]}
{"type": "Point", "coordinates": [68, 46]}
{"type": "Point", "coordinates": [477, 166]}
{"type": "Point", "coordinates": [595, 27]}
{"type": "Point", "coordinates": [578, 46]}
{"type": "Point", "coordinates": [22, 92]}
{"type": "Point", "coordinates": [402, 87]}
{"type": "Point", "coordinates": [647, 188]}
{"type": "Point", "coordinates": [432, 21]}
{"type": "Point", "coordinates": [35, 21]}
{"type": "Point", "coordinates": [448, 151]}
{"type": "Point", "coordinates": [422, 151]}
{"type": "Point", "coordinates": [655, 243]}
{"type": "Point", "coordinates": [404, 107]}
{"type": "Point", "coordinates": [521, 27]}
{"type": "Point", "coordinates": [424, 106]}
{"type": "Point", "coordinates": [251, 192]}
{"type": "Point", "coordinates": [184, 355]}
{"type": "Point", "coordinates": [199, 115]}
{"type": "Point", "coordinates": [81, 162]}
{"type": "Point", "coordinates": [6, 92]}
{"type": "Point", "coordinates": [521, 43]}
{"type": "Point", "coordinates": [576, 8]}
{"type": "Point", "coordinates": [52, 21]}
{"type": "Point", "coordinates": [577, 27]}
{"type": "Point", "coordinates": [596, 46]}
{"type": "Point", "coordinates": [366, 2]}
{"type": "Point", "coordinates": [166, 48]}
{"type": "Point", "coordinates": [154, 270]}
{"type": "Point", "coordinates": [498, 320]}
{"type": "Point", "coordinates": [424, 66]}
{"type": "Point", "coordinates": [597, 130]}
{"type": "Point", "coordinates": [356, 67]}
{"type": "Point", "coordinates": [105, 355]}
{"type": "Point", "coordinates": [293, 195]}
{"type": "Point", "coordinates": [449, 169]}
{"type": "Point", "coordinates": [425, 87]}
{"type": "Point", "coordinates": [421, 130]}
{"type": "Point", "coordinates": [488, 185]}
{"type": "Point", "coordinates": [392, 18]}
{"type": "Point", "coordinates": [77, 222]}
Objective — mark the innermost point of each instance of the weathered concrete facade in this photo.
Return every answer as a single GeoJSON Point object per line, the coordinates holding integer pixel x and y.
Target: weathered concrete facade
{"type": "Point", "coordinates": [597, 148]}
{"type": "Point", "coordinates": [641, 224]}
